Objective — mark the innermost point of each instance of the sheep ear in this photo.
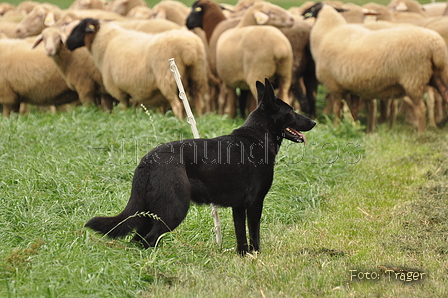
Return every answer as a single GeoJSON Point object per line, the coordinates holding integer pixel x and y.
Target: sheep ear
{"type": "Point", "coordinates": [401, 6]}
{"type": "Point", "coordinates": [261, 18]}
{"type": "Point", "coordinates": [63, 37]}
{"type": "Point", "coordinates": [49, 20]}
{"type": "Point", "coordinates": [161, 14]}
{"type": "Point", "coordinates": [90, 28]}
{"type": "Point", "coordinates": [38, 40]}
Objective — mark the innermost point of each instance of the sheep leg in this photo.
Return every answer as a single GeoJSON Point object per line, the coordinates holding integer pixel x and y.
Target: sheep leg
{"type": "Point", "coordinates": [230, 107]}
{"type": "Point", "coordinates": [177, 108]}
{"type": "Point", "coordinates": [107, 102]}
{"type": "Point", "coordinates": [222, 98]}
{"type": "Point", "coordinates": [431, 105]}
{"type": "Point", "coordinates": [438, 114]}
{"type": "Point", "coordinates": [354, 102]}
{"type": "Point", "coordinates": [337, 106]}
{"type": "Point", "coordinates": [393, 112]}
{"type": "Point", "coordinates": [8, 108]}
{"type": "Point", "coordinates": [419, 109]}
{"type": "Point", "coordinates": [437, 83]}
{"type": "Point", "coordinates": [385, 110]}
{"type": "Point", "coordinates": [242, 102]}
{"type": "Point", "coordinates": [407, 108]}
{"type": "Point", "coordinates": [251, 102]}
{"type": "Point", "coordinates": [330, 103]}
{"type": "Point", "coordinates": [371, 115]}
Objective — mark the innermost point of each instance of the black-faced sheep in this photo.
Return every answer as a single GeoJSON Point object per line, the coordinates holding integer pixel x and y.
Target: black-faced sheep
{"type": "Point", "coordinates": [77, 68]}
{"type": "Point", "coordinates": [379, 64]}
{"type": "Point", "coordinates": [208, 15]}
{"type": "Point", "coordinates": [28, 76]}
{"type": "Point", "coordinates": [135, 64]}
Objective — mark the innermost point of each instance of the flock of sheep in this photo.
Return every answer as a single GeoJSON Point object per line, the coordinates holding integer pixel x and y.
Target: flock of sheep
{"type": "Point", "coordinates": [105, 53]}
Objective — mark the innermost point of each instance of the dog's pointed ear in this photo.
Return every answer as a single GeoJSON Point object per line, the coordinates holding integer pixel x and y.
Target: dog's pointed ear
{"type": "Point", "coordinates": [260, 91]}
{"type": "Point", "coordinates": [269, 90]}
{"type": "Point", "coordinates": [267, 97]}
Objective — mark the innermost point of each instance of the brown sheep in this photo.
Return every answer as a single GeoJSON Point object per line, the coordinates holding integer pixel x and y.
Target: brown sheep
{"type": "Point", "coordinates": [77, 68]}
{"type": "Point", "coordinates": [28, 76]}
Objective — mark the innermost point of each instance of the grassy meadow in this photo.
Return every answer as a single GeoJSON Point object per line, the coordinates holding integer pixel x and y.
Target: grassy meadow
{"type": "Point", "coordinates": [349, 214]}
{"type": "Point", "coordinates": [346, 201]}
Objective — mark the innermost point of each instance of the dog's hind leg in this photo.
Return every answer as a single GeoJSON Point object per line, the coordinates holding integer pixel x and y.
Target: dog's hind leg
{"type": "Point", "coordinates": [171, 216]}
{"type": "Point", "coordinates": [144, 228]}
{"type": "Point", "coordinates": [253, 222]}
{"type": "Point", "coordinates": [239, 220]}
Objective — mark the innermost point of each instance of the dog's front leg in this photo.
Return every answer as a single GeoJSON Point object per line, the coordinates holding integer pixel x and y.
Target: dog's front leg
{"type": "Point", "coordinates": [253, 222]}
{"type": "Point", "coordinates": [239, 220]}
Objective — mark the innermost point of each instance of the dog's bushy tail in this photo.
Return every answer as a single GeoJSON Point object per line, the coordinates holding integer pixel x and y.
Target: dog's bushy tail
{"type": "Point", "coordinates": [113, 227]}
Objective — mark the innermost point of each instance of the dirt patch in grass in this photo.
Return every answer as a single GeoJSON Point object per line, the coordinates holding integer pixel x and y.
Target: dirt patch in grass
{"type": "Point", "coordinates": [424, 221]}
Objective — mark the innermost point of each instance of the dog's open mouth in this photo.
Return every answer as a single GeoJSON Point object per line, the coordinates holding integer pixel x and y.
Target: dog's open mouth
{"type": "Point", "coordinates": [294, 135]}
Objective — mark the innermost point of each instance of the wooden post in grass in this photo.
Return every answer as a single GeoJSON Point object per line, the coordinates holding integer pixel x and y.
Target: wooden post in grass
{"type": "Point", "coordinates": [192, 122]}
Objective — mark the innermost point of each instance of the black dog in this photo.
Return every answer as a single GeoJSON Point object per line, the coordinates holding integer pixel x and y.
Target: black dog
{"type": "Point", "coordinates": [234, 170]}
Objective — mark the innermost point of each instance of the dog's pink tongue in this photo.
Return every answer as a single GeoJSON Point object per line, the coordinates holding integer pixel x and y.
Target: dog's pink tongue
{"type": "Point", "coordinates": [303, 137]}
{"type": "Point", "coordinates": [298, 133]}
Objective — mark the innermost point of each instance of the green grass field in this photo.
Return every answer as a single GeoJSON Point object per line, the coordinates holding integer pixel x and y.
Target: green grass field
{"type": "Point", "coordinates": [348, 215]}
{"type": "Point", "coordinates": [345, 201]}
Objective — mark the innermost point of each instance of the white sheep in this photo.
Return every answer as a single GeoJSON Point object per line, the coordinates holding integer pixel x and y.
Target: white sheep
{"type": "Point", "coordinates": [123, 7]}
{"type": "Point", "coordinates": [435, 9]}
{"type": "Point", "coordinates": [28, 76]}
{"type": "Point", "coordinates": [250, 52]}
{"type": "Point", "coordinates": [174, 11]}
{"type": "Point", "coordinates": [42, 16]}
{"type": "Point", "coordinates": [407, 6]}
{"type": "Point", "coordinates": [135, 64]}
{"type": "Point", "coordinates": [26, 7]}
{"type": "Point", "coordinates": [77, 68]}
{"type": "Point", "coordinates": [140, 12]}
{"type": "Point", "coordinates": [379, 64]}
{"type": "Point", "coordinates": [5, 7]}
{"type": "Point", "coordinates": [149, 26]}
{"type": "Point", "coordinates": [88, 4]}
{"type": "Point", "coordinates": [8, 23]}
{"type": "Point", "coordinates": [46, 15]}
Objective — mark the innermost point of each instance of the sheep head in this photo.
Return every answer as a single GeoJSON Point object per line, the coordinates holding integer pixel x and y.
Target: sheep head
{"type": "Point", "coordinates": [53, 40]}
{"type": "Point", "coordinates": [266, 13]}
{"type": "Point", "coordinates": [201, 10]}
{"type": "Point", "coordinates": [39, 18]}
{"type": "Point", "coordinates": [122, 7]}
{"type": "Point", "coordinates": [83, 34]}
{"type": "Point", "coordinates": [314, 10]}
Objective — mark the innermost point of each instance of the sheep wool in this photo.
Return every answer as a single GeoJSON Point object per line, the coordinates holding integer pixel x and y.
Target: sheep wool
{"type": "Point", "coordinates": [380, 64]}
{"type": "Point", "coordinates": [135, 65]}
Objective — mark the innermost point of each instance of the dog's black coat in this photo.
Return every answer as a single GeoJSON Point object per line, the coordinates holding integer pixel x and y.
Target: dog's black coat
{"type": "Point", "coordinates": [234, 170]}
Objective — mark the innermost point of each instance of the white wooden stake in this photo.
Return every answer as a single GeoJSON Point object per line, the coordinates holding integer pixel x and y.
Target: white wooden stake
{"type": "Point", "coordinates": [192, 122]}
